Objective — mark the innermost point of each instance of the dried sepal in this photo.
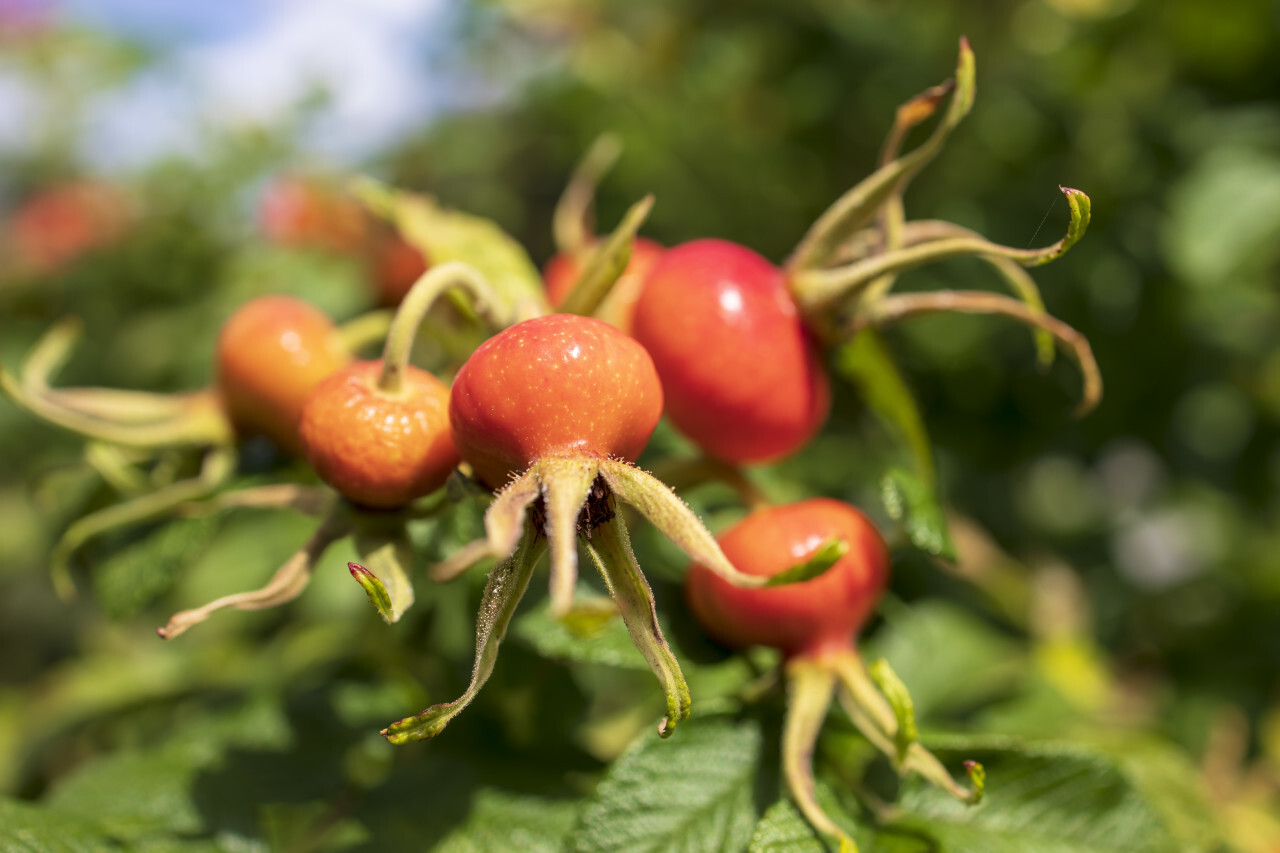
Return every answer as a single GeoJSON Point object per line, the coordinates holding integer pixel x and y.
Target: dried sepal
{"type": "Point", "coordinates": [285, 585]}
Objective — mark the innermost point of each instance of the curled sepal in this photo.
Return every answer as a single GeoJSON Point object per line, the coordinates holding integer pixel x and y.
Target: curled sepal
{"type": "Point", "coordinates": [571, 224]}
{"type": "Point", "coordinates": [607, 263]}
{"type": "Point", "coordinates": [503, 524]}
{"type": "Point", "coordinates": [218, 466]}
{"type": "Point", "coordinates": [821, 289]}
{"type": "Point", "coordinates": [1013, 273]}
{"type": "Point", "coordinates": [823, 557]}
{"type": "Point", "coordinates": [387, 558]}
{"type": "Point", "coordinates": [878, 719]}
{"type": "Point", "coordinates": [502, 593]}
{"type": "Point", "coordinates": [672, 516]}
{"type": "Point", "coordinates": [566, 482]}
{"type": "Point", "coordinates": [450, 235]}
{"type": "Point", "coordinates": [184, 420]}
{"type": "Point", "coordinates": [810, 686]}
{"type": "Point", "coordinates": [858, 206]}
{"type": "Point", "coordinates": [901, 306]}
{"type": "Point", "coordinates": [904, 710]}
{"type": "Point", "coordinates": [285, 585]}
{"type": "Point", "coordinates": [312, 501]}
{"type": "Point", "coordinates": [610, 548]}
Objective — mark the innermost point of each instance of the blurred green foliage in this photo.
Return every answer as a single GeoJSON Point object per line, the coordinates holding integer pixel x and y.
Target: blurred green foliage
{"type": "Point", "coordinates": [1106, 639]}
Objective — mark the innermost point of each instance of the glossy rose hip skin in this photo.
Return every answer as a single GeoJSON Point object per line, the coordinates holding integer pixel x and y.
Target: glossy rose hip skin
{"type": "Point", "coordinates": [376, 449]}
{"type": "Point", "coordinates": [807, 619]}
{"type": "Point", "coordinates": [741, 376]}
{"type": "Point", "coordinates": [555, 385]}
{"type": "Point", "coordinates": [271, 353]}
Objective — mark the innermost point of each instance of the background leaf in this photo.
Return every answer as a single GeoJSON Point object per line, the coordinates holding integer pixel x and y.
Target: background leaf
{"type": "Point", "coordinates": [694, 792]}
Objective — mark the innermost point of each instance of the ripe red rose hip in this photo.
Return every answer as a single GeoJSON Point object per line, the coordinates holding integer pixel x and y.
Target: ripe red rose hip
{"type": "Point", "coordinates": [271, 353]}
{"type": "Point", "coordinates": [379, 449]}
{"type": "Point", "coordinates": [741, 375]}
{"type": "Point", "coordinates": [553, 386]}
{"type": "Point", "coordinates": [563, 270]}
{"type": "Point", "coordinates": [807, 619]}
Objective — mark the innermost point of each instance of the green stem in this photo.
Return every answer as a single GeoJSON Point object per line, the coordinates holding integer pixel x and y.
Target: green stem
{"type": "Point", "coordinates": [810, 688]}
{"type": "Point", "coordinates": [413, 310]}
{"type": "Point", "coordinates": [218, 466]}
{"type": "Point", "coordinates": [365, 330]}
{"type": "Point", "coordinates": [610, 548]}
{"type": "Point", "coordinates": [502, 593]}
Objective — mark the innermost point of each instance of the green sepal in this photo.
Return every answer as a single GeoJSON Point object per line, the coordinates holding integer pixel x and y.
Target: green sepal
{"type": "Point", "coordinates": [824, 557]}
{"type": "Point", "coordinates": [387, 557]}
{"type": "Point", "coordinates": [607, 263]}
{"type": "Point", "coordinates": [903, 708]}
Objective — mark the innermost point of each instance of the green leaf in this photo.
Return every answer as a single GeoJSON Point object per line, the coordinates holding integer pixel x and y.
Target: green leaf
{"type": "Point", "coordinates": [501, 821]}
{"type": "Point", "coordinates": [866, 362]}
{"type": "Point", "coordinates": [694, 792]}
{"type": "Point", "coordinates": [1050, 798]}
{"type": "Point", "coordinates": [593, 633]}
{"type": "Point", "coordinates": [385, 573]}
{"type": "Point", "coordinates": [450, 235]}
{"type": "Point", "coordinates": [138, 574]}
{"type": "Point", "coordinates": [134, 794]}
{"type": "Point", "coordinates": [910, 500]}
{"type": "Point", "coordinates": [27, 828]}
{"type": "Point", "coordinates": [979, 663]}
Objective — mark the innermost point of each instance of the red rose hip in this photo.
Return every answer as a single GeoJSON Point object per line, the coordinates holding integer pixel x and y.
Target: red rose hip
{"type": "Point", "coordinates": [553, 386]}
{"type": "Point", "coordinates": [808, 618]}
{"type": "Point", "coordinates": [741, 375]}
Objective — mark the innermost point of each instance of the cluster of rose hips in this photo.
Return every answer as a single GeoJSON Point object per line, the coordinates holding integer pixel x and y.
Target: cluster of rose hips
{"type": "Point", "coordinates": [549, 413]}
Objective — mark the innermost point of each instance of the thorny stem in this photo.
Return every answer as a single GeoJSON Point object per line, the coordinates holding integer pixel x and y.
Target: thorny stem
{"type": "Point", "coordinates": [413, 310]}
{"type": "Point", "coordinates": [897, 307]}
